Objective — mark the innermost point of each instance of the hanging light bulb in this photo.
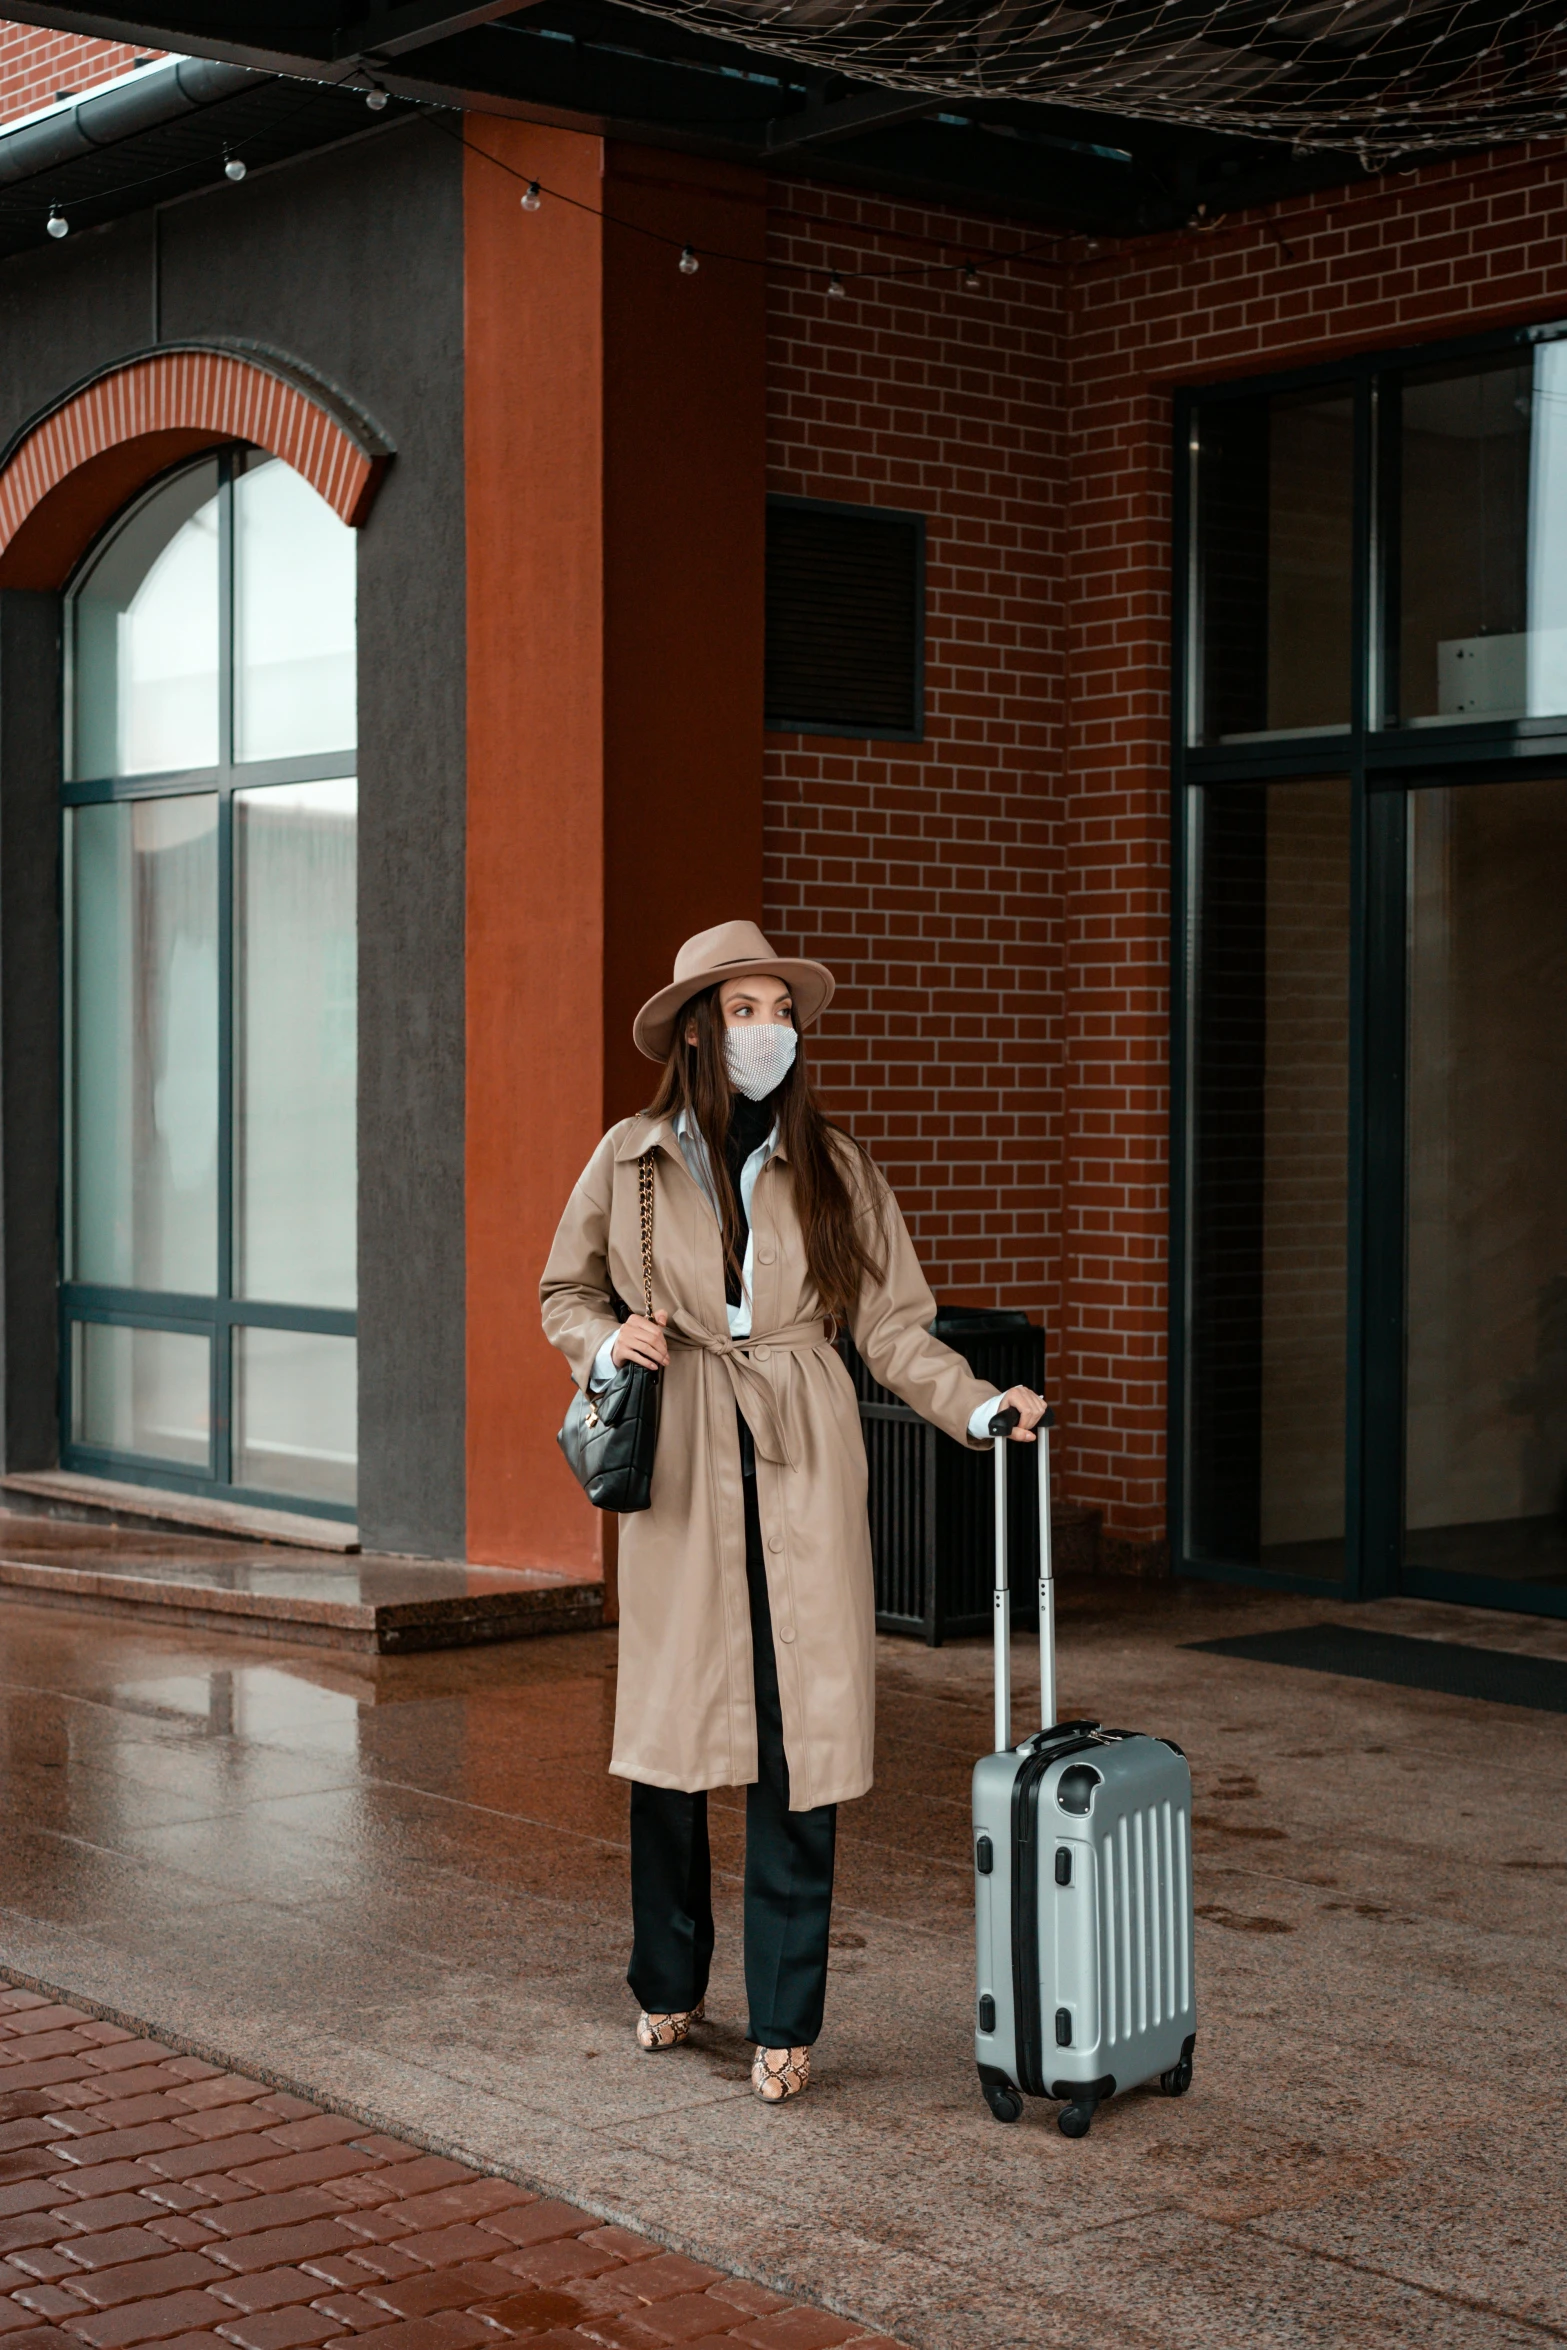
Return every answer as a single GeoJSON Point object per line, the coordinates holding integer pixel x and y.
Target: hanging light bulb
{"type": "Point", "coordinates": [57, 224]}
{"type": "Point", "coordinates": [970, 278]}
{"type": "Point", "coordinates": [375, 100]}
{"type": "Point", "coordinates": [529, 199]}
{"type": "Point", "coordinates": [835, 290]}
{"type": "Point", "coordinates": [689, 264]}
{"type": "Point", "coordinates": [233, 167]}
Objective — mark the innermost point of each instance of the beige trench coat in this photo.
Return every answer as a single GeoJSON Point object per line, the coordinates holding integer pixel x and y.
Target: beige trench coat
{"type": "Point", "coordinates": [685, 1712]}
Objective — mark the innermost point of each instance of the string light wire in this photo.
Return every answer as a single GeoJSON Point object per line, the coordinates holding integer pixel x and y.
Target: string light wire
{"type": "Point", "coordinates": [231, 151]}
{"type": "Point", "coordinates": [1043, 251]}
{"type": "Point", "coordinates": [1040, 252]}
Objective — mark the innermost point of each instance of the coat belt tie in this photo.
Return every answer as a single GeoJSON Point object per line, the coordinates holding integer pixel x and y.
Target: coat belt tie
{"type": "Point", "coordinates": [753, 1391]}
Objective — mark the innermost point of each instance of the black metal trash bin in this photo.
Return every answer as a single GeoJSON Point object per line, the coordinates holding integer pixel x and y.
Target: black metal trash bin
{"type": "Point", "coordinates": [932, 1501]}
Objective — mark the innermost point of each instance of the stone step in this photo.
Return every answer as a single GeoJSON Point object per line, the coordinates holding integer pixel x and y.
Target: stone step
{"type": "Point", "coordinates": [374, 1605]}
{"type": "Point", "coordinates": [108, 1501]}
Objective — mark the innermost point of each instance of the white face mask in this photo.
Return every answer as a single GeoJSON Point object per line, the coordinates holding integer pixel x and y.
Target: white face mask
{"type": "Point", "coordinates": [759, 1056]}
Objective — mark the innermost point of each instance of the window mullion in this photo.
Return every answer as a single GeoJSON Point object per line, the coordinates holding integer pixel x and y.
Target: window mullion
{"type": "Point", "coordinates": [222, 1349]}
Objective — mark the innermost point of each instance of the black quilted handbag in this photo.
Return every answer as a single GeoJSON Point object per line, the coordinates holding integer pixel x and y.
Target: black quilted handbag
{"type": "Point", "coordinates": [610, 1439]}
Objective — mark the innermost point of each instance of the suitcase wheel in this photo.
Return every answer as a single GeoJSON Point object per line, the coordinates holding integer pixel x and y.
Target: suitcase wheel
{"type": "Point", "coordinates": [1005, 2104]}
{"type": "Point", "coordinates": [1178, 2079]}
{"type": "Point", "coordinates": [1075, 2121]}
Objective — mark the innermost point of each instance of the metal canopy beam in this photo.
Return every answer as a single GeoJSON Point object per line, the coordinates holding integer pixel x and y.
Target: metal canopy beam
{"type": "Point", "coordinates": [396, 32]}
{"type": "Point", "coordinates": [844, 118]}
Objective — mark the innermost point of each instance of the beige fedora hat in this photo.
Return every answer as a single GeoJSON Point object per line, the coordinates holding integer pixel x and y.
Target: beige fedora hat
{"type": "Point", "coordinates": [733, 951]}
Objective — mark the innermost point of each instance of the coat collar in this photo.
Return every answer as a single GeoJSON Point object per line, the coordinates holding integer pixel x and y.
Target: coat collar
{"type": "Point", "coordinates": [773, 1146]}
{"type": "Point", "coordinates": [642, 1134]}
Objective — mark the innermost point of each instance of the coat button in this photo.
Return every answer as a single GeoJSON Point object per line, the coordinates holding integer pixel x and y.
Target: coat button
{"type": "Point", "coordinates": [762, 1353]}
{"type": "Point", "coordinates": [786, 1631]}
{"type": "Point", "coordinates": [775, 1542]}
{"type": "Point", "coordinates": [765, 1256]}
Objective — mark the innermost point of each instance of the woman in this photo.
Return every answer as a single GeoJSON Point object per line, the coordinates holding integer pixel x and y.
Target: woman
{"type": "Point", "coordinates": [747, 1615]}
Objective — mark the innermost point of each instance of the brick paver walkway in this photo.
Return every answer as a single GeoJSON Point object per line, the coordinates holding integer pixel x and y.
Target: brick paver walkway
{"type": "Point", "coordinates": [151, 2198]}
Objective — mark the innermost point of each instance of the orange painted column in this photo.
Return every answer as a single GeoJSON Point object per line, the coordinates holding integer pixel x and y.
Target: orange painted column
{"type": "Point", "coordinates": [615, 517]}
{"type": "Point", "coordinates": [685, 458]}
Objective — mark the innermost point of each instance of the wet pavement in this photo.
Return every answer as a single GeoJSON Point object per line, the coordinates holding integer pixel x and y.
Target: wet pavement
{"type": "Point", "coordinates": [397, 1885]}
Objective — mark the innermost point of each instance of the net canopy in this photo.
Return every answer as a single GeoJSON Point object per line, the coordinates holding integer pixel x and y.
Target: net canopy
{"type": "Point", "coordinates": [1379, 77]}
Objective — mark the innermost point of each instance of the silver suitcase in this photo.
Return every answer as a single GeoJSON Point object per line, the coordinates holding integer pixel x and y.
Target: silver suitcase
{"type": "Point", "coordinates": [1082, 1887]}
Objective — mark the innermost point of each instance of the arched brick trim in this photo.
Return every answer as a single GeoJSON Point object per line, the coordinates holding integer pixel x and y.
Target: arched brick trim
{"type": "Point", "coordinates": [67, 472]}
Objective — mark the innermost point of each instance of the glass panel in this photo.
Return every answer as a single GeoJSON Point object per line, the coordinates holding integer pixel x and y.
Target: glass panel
{"type": "Point", "coordinates": [1482, 615]}
{"type": "Point", "coordinates": [1275, 487]}
{"type": "Point", "coordinates": [144, 638]}
{"type": "Point", "coordinates": [142, 1028]}
{"type": "Point", "coordinates": [295, 1043]}
{"type": "Point", "coordinates": [296, 1414]}
{"type": "Point", "coordinates": [293, 618]}
{"type": "Point", "coordinates": [1486, 1445]}
{"type": "Point", "coordinates": [141, 1391]}
{"type": "Point", "coordinates": [1269, 1178]}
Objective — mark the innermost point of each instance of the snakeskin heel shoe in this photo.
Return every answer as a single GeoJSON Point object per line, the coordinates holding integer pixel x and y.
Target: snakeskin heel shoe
{"type": "Point", "coordinates": [777, 2073]}
{"type": "Point", "coordinates": [666, 2031]}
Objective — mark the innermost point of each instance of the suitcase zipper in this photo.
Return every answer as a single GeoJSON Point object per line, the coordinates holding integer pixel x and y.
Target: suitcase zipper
{"type": "Point", "coordinates": [1025, 1923]}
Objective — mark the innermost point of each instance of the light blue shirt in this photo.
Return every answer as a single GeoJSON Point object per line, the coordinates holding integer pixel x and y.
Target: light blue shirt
{"type": "Point", "coordinates": [694, 1151]}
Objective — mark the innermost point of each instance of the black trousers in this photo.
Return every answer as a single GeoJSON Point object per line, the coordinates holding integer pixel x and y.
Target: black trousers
{"type": "Point", "coordinates": [788, 1871]}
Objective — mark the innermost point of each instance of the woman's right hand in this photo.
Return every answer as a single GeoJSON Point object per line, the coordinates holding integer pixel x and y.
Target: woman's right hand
{"type": "Point", "coordinates": [640, 1341]}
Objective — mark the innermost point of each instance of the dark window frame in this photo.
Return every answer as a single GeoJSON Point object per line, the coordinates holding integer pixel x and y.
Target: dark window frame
{"type": "Point", "coordinates": [1384, 764]}
{"type": "Point", "coordinates": [217, 1316]}
{"type": "Point", "coordinates": [788, 722]}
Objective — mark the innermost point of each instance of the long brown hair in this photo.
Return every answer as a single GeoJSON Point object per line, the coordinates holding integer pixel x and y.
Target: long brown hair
{"type": "Point", "coordinates": [840, 1252]}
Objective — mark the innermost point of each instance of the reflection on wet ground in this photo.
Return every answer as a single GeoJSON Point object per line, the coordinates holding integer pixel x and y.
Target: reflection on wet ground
{"type": "Point", "coordinates": [364, 1602]}
{"type": "Point", "coordinates": [401, 1883]}
{"type": "Point", "coordinates": [289, 1575]}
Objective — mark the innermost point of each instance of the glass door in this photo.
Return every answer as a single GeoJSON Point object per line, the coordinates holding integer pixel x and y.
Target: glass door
{"type": "Point", "coordinates": [1369, 1227]}
{"type": "Point", "coordinates": [209, 1244]}
{"type": "Point", "coordinates": [1268, 1120]}
{"type": "Point", "coordinates": [1485, 1392]}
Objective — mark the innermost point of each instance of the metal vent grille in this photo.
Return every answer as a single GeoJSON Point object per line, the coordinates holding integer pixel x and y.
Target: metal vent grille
{"type": "Point", "coordinates": [902, 1495]}
{"type": "Point", "coordinates": [845, 619]}
{"type": "Point", "coordinates": [932, 1501]}
{"type": "Point", "coordinates": [1144, 1867]}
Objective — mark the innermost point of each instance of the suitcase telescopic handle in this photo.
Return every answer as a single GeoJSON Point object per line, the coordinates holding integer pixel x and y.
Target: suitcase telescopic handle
{"type": "Point", "coordinates": [1001, 1428]}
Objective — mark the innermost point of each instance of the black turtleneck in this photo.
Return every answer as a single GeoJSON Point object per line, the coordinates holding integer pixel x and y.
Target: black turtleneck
{"type": "Point", "coordinates": [750, 1123]}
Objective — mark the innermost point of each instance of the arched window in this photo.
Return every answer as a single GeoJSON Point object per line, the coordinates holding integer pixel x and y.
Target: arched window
{"type": "Point", "coordinates": [211, 993]}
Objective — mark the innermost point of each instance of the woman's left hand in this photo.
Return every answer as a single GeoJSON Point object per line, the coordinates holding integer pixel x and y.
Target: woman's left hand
{"type": "Point", "coordinates": [1030, 1410]}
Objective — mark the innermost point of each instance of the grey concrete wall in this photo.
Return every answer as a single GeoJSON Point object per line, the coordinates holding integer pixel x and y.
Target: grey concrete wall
{"type": "Point", "coordinates": [29, 1027]}
{"type": "Point", "coordinates": [352, 263]}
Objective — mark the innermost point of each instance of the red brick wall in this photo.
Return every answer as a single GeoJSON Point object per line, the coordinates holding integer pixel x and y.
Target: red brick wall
{"type": "Point", "coordinates": [35, 64]}
{"type": "Point", "coordinates": [996, 898]}
{"type": "Point", "coordinates": [926, 873]}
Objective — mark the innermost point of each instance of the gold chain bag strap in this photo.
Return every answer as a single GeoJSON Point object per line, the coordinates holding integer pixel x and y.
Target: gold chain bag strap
{"type": "Point", "coordinates": [645, 1190]}
{"type": "Point", "coordinates": [610, 1439]}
